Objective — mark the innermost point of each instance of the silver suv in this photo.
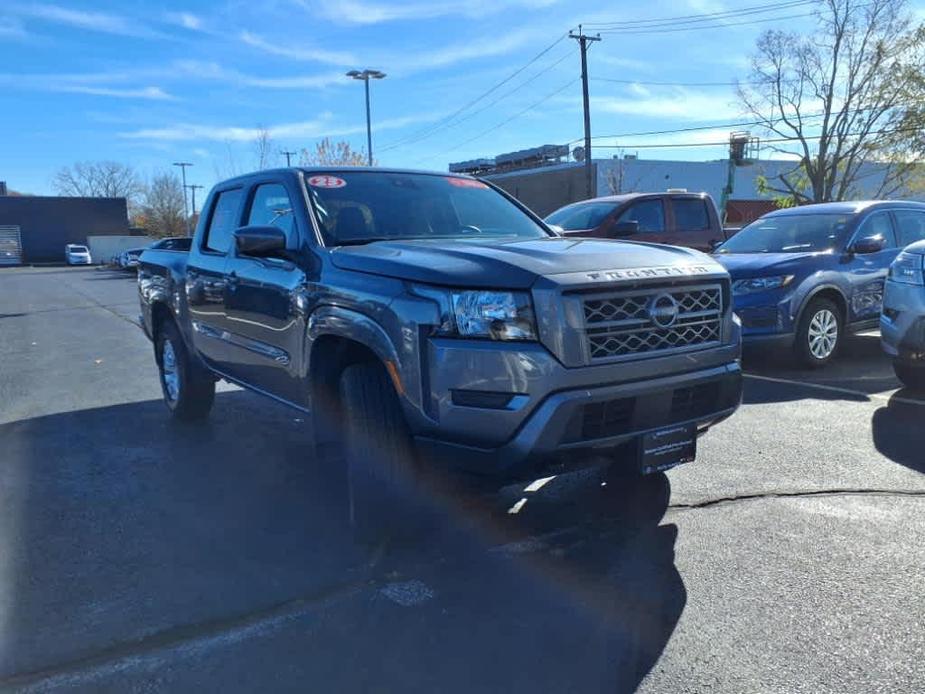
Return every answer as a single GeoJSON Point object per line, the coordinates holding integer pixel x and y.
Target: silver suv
{"type": "Point", "coordinates": [902, 323]}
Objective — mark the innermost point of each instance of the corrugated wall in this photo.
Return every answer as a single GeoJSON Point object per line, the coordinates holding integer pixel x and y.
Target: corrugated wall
{"type": "Point", "coordinates": [547, 189]}
{"type": "Point", "coordinates": [47, 224]}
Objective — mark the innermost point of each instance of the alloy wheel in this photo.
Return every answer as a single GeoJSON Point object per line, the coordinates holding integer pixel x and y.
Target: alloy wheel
{"type": "Point", "coordinates": [823, 334]}
{"type": "Point", "coordinates": [170, 372]}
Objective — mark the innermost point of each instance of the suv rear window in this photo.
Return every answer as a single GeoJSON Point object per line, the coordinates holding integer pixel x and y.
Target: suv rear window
{"type": "Point", "coordinates": [690, 214]}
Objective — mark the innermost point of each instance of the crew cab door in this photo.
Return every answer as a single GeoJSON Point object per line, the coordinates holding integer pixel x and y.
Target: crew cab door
{"type": "Point", "coordinates": [693, 224]}
{"type": "Point", "coordinates": [264, 304]}
{"type": "Point", "coordinates": [649, 215]}
{"type": "Point", "coordinates": [206, 280]}
{"type": "Point", "coordinates": [867, 272]}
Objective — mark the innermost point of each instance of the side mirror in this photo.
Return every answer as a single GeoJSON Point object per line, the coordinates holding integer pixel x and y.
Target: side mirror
{"type": "Point", "coordinates": [259, 241]}
{"type": "Point", "coordinates": [625, 228]}
{"type": "Point", "coordinates": [867, 245]}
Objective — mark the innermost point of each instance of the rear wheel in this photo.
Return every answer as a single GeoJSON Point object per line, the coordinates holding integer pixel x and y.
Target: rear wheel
{"type": "Point", "coordinates": [819, 333]}
{"type": "Point", "coordinates": [912, 377]}
{"type": "Point", "coordinates": [379, 452]}
{"type": "Point", "coordinates": [188, 389]}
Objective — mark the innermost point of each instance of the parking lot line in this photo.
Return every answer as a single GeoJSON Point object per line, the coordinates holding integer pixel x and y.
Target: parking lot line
{"type": "Point", "coordinates": [838, 389]}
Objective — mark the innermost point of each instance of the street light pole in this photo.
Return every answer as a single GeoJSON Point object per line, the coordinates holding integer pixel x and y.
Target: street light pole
{"type": "Point", "coordinates": [365, 76]}
{"type": "Point", "coordinates": [183, 165]}
{"type": "Point", "coordinates": [192, 189]}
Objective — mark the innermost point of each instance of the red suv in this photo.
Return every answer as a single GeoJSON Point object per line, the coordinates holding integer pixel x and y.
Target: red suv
{"type": "Point", "coordinates": [679, 219]}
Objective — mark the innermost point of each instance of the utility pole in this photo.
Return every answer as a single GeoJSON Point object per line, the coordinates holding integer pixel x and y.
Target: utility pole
{"type": "Point", "coordinates": [183, 165]}
{"type": "Point", "coordinates": [583, 41]}
{"type": "Point", "coordinates": [287, 155]}
{"type": "Point", "coordinates": [193, 188]}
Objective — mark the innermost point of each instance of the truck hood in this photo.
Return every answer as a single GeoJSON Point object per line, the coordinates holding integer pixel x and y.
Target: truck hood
{"type": "Point", "coordinates": [748, 265]}
{"type": "Point", "coordinates": [508, 264]}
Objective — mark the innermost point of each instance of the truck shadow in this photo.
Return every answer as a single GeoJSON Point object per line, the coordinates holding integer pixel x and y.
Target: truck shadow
{"type": "Point", "coordinates": [860, 369]}
{"type": "Point", "coordinates": [117, 526]}
{"type": "Point", "coordinates": [898, 433]}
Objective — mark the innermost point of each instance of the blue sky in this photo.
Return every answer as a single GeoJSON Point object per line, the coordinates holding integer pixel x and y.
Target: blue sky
{"type": "Point", "coordinates": [150, 83]}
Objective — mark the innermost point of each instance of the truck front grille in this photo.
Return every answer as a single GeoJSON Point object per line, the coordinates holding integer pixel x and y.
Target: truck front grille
{"type": "Point", "coordinates": [652, 320]}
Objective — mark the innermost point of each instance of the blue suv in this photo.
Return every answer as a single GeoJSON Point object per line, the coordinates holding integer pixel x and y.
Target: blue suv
{"type": "Point", "coordinates": [804, 276]}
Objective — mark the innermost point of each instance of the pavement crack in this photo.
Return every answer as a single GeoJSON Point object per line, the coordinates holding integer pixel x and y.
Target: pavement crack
{"type": "Point", "coordinates": [798, 494]}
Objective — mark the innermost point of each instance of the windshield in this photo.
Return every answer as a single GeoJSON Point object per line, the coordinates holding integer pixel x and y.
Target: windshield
{"type": "Point", "coordinates": [583, 216]}
{"type": "Point", "coordinates": [790, 233]}
{"type": "Point", "coordinates": [363, 206]}
{"type": "Point", "coordinates": [79, 249]}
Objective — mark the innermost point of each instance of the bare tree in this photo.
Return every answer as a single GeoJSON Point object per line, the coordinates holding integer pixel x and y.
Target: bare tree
{"type": "Point", "coordinates": [264, 149]}
{"type": "Point", "coordinates": [839, 97]}
{"type": "Point", "coordinates": [328, 153]}
{"type": "Point", "coordinates": [102, 179]}
{"type": "Point", "coordinates": [164, 209]}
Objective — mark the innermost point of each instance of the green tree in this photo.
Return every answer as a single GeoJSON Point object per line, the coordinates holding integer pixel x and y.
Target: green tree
{"type": "Point", "coordinates": [842, 97]}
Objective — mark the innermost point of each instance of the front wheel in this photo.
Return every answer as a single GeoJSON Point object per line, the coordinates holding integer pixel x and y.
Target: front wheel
{"type": "Point", "coordinates": [379, 452]}
{"type": "Point", "coordinates": [188, 390]}
{"type": "Point", "coordinates": [819, 333]}
{"type": "Point", "coordinates": [912, 377]}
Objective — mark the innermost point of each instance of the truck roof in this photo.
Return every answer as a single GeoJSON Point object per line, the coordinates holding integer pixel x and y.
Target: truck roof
{"type": "Point", "coordinates": [341, 169]}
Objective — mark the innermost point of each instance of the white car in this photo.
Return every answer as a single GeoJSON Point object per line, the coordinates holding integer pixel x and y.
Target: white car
{"type": "Point", "coordinates": [75, 254]}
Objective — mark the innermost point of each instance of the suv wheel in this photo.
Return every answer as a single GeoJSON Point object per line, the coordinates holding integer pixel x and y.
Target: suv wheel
{"type": "Point", "coordinates": [188, 390]}
{"type": "Point", "coordinates": [819, 333]}
{"type": "Point", "coordinates": [912, 377]}
{"type": "Point", "coordinates": [379, 453]}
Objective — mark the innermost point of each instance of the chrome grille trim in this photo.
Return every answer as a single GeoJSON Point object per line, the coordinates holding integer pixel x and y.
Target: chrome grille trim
{"type": "Point", "coordinates": [619, 325]}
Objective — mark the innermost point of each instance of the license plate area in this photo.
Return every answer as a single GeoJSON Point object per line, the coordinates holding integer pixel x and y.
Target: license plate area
{"type": "Point", "coordinates": [667, 448]}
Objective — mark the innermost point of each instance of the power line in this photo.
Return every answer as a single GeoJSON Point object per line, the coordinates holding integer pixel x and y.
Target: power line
{"type": "Point", "coordinates": [426, 132]}
{"type": "Point", "coordinates": [721, 25]}
{"type": "Point", "coordinates": [704, 16]}
{"type": "Point", "coordinates": [506, 121]}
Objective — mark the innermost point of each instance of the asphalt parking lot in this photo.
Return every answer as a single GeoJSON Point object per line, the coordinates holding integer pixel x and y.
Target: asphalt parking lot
{"type": "Point", "coordinates": [137, 555]}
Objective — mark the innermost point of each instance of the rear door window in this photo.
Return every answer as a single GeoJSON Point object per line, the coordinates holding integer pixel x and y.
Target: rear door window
{"type": "Point", "coordinates": [224, 220]}
{"type": "Point", "coordinates": [690, 214]}
{"type": "Point", "coordinates": [650, 214]}
{"type": "Point", "coordinates": [910, 225]}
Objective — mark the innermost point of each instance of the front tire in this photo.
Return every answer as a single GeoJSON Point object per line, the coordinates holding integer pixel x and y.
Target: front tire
{"type": "Point", "coordinates": [379, 452]}
{"type": "Point", "coordinates": [912, 377]}
{"type": "Point", "coordinates": [819, 333]}
{"type": "Point", "coordinates": [188, 389]}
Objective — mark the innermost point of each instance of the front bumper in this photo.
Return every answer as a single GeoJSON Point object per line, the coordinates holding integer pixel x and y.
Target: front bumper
{"type": "Point", "coordinates": [902, 322]}
{"type": "Point", "coordinates": [579, 424]}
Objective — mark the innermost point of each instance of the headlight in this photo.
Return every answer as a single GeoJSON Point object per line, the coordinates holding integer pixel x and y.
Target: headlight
{"type": "Point", "coordinates": [493, 315]}
{"type": "Point", "coordinates": [908, 268]}
{"type": "Point", "coordinates": [760, 284]}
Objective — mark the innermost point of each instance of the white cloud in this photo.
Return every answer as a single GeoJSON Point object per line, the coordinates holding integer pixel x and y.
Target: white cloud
{"type": "Point", "coordinates": [154, 93]}
{"type": "Point", "coordinates": [364, 12]}
{"type": "Point", "coordinates": [11, 29]}
{"type": "Point", "coordinates": [681, 104]}
{"type": "Point", "coordinates": [187, 20]}
{"type": "Point", "coordinates": [295, 52]}
{"type": "Point", "coordinates": [214, 71]}
{"type": "Point", "coordinates": [320, 127]}
{"type": "Point", "coordinates": [80, 19]}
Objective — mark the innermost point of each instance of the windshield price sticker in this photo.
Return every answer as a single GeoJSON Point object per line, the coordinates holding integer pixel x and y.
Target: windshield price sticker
{"type": "Point", "coordinates": [326, 182]}
{"type": "Point", "coordinates": [465, 182]}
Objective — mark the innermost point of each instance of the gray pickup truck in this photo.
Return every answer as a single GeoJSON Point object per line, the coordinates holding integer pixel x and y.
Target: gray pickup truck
{"type": "Point", "coordinates": [428, 319]}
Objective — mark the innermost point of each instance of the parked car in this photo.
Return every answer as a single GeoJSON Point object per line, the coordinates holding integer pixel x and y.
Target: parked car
{"type": "Point", "coordinates": [902, 322]}
{"type": "Point", "coordinates": [172, 243]}
{"type": "Point", "coordinates": [129, 259]}
{"type": "Point", "coordinates": [804, 277]}
{"type": "Point", "coordinates": [431, 317]}
{"type": "Point", "coordinates": [676, 218]}
{"type": "Point", "coordinates": [76, 254]}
